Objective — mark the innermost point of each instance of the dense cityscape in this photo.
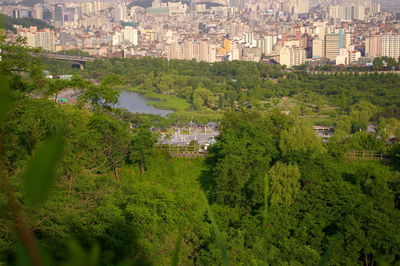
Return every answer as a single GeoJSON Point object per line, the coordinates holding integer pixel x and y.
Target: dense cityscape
{"type": "Point", "coordinates": [289, 32]}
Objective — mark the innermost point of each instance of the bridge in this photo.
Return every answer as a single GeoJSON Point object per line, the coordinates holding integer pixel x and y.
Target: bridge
{"type": "Point", "coordinates": [78, 60]}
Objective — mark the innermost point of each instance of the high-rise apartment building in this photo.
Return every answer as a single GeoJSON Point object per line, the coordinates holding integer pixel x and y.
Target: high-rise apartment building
{"type": "Point", "coordinates": [38, 11]}
{"type": "Point", "coordinates": [301, 6]}
{"type": "Point", "coordinates": [391, 46]}
{"type": "Point", "coordinates": [375, 8]}
{"type": "Point", "coordinates": [292, 56]}
{"type": "Point", "coordinates": [318, 48]}
{"type": "Point", "coordinates": [120, 13]}
{"type": "Point", "coordinates": [373, 46]}
{"type": "Point", "coordinates": [130, 34]}
{"type": "Point", "coordinates": [347, 13]}
{"type": "Point", "coordinates": [207, 52]}
{"type": "Point", "coordinates": [39, 38]}
{"type": "Point", "coordinates": [267, 44]}
{"type": "Point", "coordinates": [329, 45]}
{"type": "Point", "coordinates": [200, 50]}
{"type": "Point", "coordinates": [187, 50]}
{"type": "Point", "coordinates": [58, 12]}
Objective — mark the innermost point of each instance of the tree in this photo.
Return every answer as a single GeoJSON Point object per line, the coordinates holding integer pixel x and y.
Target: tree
{"type": "Point", "coordinates": [55, 86]}
{"type": "Point", "coordinates": [284, 181]}
{"type": "Point", "coordinates": [360, 114]}
{"type": "Point", "coordinates": [100, 97]}
{"type": "Point", "coordinates": [239, 160]}
{"type": "Point", "coordinates": [378, 63]}
{"type": "Point", "coordinates": [299, 141]}
{"type": "Point", "coordinates": [142, 147]}
{"type": "Point", "coordinates": [112, 80]}
{"type": "Point", "coordinates": [104, 144]}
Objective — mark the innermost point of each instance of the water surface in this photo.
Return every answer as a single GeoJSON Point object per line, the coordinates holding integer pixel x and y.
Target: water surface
{"type": "Point", "coordinates": [135, 102]}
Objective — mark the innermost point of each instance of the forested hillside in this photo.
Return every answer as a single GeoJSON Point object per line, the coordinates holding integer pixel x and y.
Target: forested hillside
{"type": "Point", "coordinates": [84, 184]}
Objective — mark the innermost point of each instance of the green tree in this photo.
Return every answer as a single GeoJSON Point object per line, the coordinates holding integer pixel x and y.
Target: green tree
{"type": "Point", "coordinates": [284, 183]}
{"type": "Point", "coordinates": [299, 141]}
{"type": "Point", "coordinates": [378, 63]}
{"type": "Point", "coordinates": [240, 159]}
{"type": "Point", "coordinates": [100, 97]}
{"type": "Point", "coordinates": [142, 147]}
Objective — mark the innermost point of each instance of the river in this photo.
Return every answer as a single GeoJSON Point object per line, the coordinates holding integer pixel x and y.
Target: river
{"type": "Point", "coordinates": [135, 102]}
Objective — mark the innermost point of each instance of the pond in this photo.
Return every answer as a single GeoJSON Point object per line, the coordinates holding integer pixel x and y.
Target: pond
{"type": "Point", "coordinates": [135, 102]}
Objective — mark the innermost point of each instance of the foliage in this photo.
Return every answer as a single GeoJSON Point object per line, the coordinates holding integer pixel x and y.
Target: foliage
{"type": "Point", "coordinates": [300, 140]}
{"type": "Point", "coordinates": [276, 194]}
{"type": "Point", "coordinates": [142, 147]}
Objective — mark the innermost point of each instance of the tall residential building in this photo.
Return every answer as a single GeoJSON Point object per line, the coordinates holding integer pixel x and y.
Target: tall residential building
{"type": "Point", "coordinates": [347, 13]}
{"type": "Point", "coordinates": [375, 8]}
{"type": "Point", "coordinates": [207, 52]}
{"type": "Point", "coordinates": [373, 46]}
{"type": "Point", "coordinates": [318, 48]}
{"type": "Point", "coordinates": [227, 45]}
{"type": "Point", "coordinates": [301, 6]}
{"type": "Point", "coordinates": [331, 46]}
{"type": "Point", "coordinates": [120, 13]}
{"type": "Point", "coordinates": [391, 46]}
{"type": "Point", "coordinates": [175, 51]}
{"type": "Point", "coordinates": [187, 50]}
{"type": "Point", "coordinates": [333, 42]}
{"type": "Point", "coordinates": [58, 12]}
{"type": "Point", "coordinates": [39, 38]}
{"type": "Point", "coordinates": [267, 44]}
{"type": "Point", "coordinates": [130, 34]}
{"type": "Point", "coordinates": [292, 56]}
{"type": "Point", "coordinates": [38, 11]}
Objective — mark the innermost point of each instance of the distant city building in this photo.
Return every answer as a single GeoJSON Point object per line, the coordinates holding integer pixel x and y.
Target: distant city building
{"type": "Point", "coordinates": [189, 49]}
{"type": "Point", "coordinates": [318, 48]}
{"type": "Point", "coordinates": [292, 56]}
{"type": "Point", "coordinates": [329, 46]}
{"type": "Point", "coordinates": [373, 46]}
{"type": "Point", "coordinates": [267, 44]}
{"type": "Point", "coordinates": [347, 13]}
{"type": "Point", "coordinates": [391, 46]}
{"type": "Point", "coordinates": [39, 38]}
{"type": "Point", "coordinates": [375, 8]}
{"type": "Point", "coordinates": [58, 13]}
{"type": "Point", "coordinates": [120, 13]}
{"type": "Point", "coordinates": [348, 56]}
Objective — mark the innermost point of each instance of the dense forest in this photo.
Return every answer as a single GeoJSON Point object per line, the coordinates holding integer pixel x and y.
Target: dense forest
{"type": "Point", "coordinates": [82, 186]}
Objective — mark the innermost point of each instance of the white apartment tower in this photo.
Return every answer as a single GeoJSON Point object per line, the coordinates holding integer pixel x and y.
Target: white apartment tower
{"type": "Point", "coordinates": [292, 56]}
{"type": "Point", "coordinates": [39, 38]}
{"type": "Point", "coordinates": [267, 44]}
{"type": "Point", "coordinates": [130, 34]}
{"type": "Point", "coordinates": [391, 46]}
{"type": "Point", "coordinates": [120, 13]}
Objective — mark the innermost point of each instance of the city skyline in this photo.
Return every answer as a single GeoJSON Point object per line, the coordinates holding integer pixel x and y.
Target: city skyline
{"type": "Point", "coordinates": [289, 32]}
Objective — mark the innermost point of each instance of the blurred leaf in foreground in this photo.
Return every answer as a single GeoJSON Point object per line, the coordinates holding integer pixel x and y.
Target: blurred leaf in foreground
{"type": "Point", "coordinates": [5, 99]}
{"type": "Point", "coordinates": [178, 246]}
{"type": "Point", "coordinates": [40, 173]}
{"type": "Point", "coordinates": [78, 256]}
